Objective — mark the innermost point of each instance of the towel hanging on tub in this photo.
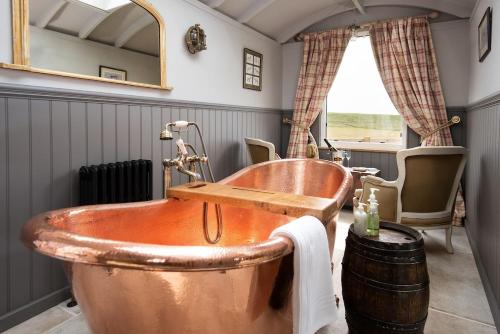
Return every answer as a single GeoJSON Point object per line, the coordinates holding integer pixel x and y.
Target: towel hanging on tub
{"type": "Point", "coordinates": [313, 298]}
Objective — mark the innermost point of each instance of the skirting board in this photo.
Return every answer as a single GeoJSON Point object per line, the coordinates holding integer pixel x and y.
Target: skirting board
{"type": "Point", "coordinates": [490, 295]}
{"type": "Point", "coordinates": [30, 310]}
{"type": "Point", "coordinates": [22, 91]}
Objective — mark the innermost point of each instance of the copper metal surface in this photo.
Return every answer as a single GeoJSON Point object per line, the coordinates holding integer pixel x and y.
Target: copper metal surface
{"type": "Point", "coordinates": [146, 267]}
{"type": "Point", "coordinates": [310, 177]}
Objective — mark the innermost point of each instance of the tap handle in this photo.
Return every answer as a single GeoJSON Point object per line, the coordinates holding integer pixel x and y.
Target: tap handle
{"type": "Point", "coordinates": [181, 146]}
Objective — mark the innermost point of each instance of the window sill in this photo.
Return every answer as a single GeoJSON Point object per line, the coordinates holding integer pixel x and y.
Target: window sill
{"type": "Point", "coordinates": [365, 147]}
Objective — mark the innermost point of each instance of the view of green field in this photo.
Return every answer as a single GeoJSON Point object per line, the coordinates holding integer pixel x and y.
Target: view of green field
{"type": "Point", "coordinates": [376, 128]}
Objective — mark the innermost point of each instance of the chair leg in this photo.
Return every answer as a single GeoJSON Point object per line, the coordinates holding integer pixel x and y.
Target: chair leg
{"type": "Point", "coordinates": [449, 246]}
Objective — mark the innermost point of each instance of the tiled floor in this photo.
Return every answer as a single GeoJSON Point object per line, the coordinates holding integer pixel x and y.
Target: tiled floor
{"type": "Point", "coordinates": [458, 304]}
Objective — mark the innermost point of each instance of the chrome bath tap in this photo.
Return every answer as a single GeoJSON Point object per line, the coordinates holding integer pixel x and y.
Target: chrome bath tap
{"type": "Point", "coordinates": [182, 160]}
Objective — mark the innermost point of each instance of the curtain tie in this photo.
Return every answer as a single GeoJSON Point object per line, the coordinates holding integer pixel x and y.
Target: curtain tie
{"type": "Point", "coordinates": [297, 124]}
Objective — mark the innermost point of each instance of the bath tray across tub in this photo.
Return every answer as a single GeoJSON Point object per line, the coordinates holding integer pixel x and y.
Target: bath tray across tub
{"type": "Point", "coordinates": [276, 202]}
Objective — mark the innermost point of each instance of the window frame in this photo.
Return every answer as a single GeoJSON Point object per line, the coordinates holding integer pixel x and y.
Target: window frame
{"type": "Point", "coordinates": [362, 146]}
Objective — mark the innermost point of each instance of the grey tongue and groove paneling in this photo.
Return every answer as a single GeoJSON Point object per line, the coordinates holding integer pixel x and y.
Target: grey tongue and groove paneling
{"type": "Point", "coordinates": [19, 203]}
{"type": "Point", "coordinates": [482, 195]}
{"type": "Point", "coordinates": [46, 136]}
{"type": "Point", "coordinates": [4, 215]}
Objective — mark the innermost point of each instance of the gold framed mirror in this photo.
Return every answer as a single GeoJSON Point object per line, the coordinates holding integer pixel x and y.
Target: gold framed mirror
{"type": "Point", "coordinates": [116, 41]}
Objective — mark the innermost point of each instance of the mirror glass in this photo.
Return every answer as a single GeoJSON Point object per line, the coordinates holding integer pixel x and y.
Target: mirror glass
{"type": "Point", "coordinates": [114, 39]}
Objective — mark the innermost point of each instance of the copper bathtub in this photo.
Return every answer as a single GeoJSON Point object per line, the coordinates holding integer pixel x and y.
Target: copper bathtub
{"type": "Point", "coordinates": [146, 267]}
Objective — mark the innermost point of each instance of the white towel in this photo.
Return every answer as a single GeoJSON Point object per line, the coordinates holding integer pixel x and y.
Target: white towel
{"type": "Point", "coordinates": [313, 297]}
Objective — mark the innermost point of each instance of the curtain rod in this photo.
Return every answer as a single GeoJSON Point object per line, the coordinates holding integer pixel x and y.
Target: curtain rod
{"type": "Point", "coordinates": [432, 15]}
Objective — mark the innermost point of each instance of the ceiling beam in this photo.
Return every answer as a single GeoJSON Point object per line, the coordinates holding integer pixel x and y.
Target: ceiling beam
{"type": "Point", "coordinates": [133, 29]}
{"type": "Point", "coordinates": [91, 25]}
{"type": "Point", "coordinates": [359, 6]}
{"type": "Point", "coordinates": [49, 14]}
{"type": "Point", "coordinates": [87, 29]}
{"type": "Point", "coordinates": [253, 9]}
{"type": "Point", "coordinates": [456, 8]}
{"type": "Point", "coordinates": [293, 29]}
{"type": "Point", "coordinates": [214, 3]}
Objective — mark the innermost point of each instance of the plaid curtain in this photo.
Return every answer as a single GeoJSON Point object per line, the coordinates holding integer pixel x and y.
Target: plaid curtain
{"type": "Point", "coordinates": [323, 53]}
{"type": "Point", "coordinates": [404, 53]}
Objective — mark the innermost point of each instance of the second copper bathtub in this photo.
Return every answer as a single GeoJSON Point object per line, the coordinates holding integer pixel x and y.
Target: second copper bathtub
{"type": "Point", "coordinates": [146, 267]}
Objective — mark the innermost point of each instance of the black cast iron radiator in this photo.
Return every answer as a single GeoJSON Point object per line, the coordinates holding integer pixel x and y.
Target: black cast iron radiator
{"type": "Point", "coordinates": [120, 182]}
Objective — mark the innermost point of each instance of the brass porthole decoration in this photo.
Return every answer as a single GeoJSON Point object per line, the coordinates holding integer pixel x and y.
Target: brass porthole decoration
{"type": "Point", "coordinates": [196, 39]}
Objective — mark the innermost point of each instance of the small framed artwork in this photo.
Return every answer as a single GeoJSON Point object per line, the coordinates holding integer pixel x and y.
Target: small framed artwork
{"type": "Point", "coordinates": [484, 35]}
{"type": "Point", "coordinates": [112, 73]}
{"type": "Point", "coordinates": [252, 70]}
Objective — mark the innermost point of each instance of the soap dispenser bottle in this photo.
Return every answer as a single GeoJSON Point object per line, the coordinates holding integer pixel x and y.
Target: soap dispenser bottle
{"type": "Point", "coordinates": [360, 220]}
{"type": "Point", "coordinates": [373, 221]}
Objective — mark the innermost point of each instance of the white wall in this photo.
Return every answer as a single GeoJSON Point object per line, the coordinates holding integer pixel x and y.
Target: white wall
{"type": "Point", "coordinates": [61, 52]}
{"type": "Point", "coordinates": [485, 76]}
{"type": "Point", "coordinates": [450, 41]}
{"type": "Point", "coordinates": [213, 76]}
{"type": "Point", "coordinates": [292, 60]}
{"type": "Point", "coordinates": [452, 52]}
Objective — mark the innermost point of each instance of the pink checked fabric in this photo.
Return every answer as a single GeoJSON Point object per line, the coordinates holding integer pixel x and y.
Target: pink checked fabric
{"type": "Point", "coordinates": [404, 53]}
{"type": "Point", "coordinates": [323, 53]}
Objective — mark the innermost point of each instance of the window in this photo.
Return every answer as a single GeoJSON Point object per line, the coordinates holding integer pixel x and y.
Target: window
{"type": "Point", "coordinates": [360, 113]}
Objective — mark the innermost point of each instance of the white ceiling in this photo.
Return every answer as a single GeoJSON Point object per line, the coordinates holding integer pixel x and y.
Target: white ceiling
{"type": "Point", "coordinates": [283, 19]}
{"type": "Point", "coordinates": [127, 26]}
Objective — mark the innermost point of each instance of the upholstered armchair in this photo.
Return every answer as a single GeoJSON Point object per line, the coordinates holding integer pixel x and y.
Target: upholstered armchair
{"type": "Point", "coordinates": [261, 150]}
{"type": "Point", "coordinates": [423, 196]}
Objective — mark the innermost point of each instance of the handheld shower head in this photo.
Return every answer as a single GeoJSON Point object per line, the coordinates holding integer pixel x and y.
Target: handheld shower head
{"type": "Point", "coordinates": [166, 134]}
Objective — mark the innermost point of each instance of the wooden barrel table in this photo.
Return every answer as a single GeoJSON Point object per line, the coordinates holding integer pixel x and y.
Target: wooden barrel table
{"type": "Point", "coordinates": [385, 283]}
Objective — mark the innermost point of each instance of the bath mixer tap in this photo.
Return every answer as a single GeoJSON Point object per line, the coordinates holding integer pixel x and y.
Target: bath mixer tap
{"type": "Point", "coordinates": [182, 160]}
{"type": "Point", "coordinates": [179, 164]}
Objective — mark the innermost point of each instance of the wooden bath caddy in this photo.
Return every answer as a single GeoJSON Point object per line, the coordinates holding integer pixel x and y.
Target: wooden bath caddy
{"type": "Point", "coordinates": [275, 202]}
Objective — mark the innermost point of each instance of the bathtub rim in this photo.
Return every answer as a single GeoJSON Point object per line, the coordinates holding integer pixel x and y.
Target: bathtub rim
{"type": "Point", "coordinates": [341, 192]}
{"type": "Point", "coordinates": [39, 235]}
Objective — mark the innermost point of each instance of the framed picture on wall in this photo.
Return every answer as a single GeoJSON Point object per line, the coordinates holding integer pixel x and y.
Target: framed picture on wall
{"type": "Point", "coordinates": [484, 35]}
{"type": "Point", "coordinates": [112, 73]}
{"type": "Point", "coordinates": [252, 70]}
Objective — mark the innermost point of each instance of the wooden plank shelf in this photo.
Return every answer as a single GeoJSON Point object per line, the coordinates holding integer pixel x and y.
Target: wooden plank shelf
{"type": "Point", "coordinates": [276, 202]}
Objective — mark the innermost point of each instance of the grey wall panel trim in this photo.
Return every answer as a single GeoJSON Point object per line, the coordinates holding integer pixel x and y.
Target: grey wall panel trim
{"type": "Point", "coordinates": [19, 185]}
{"type": "Point", "coordinates": [488, 289]}
{"type": "Point", "coordinates": [27, 311]}
{"type": "Point", "coordinates": [4, 196]}
{"type": "Point", "coordinates": [285, 131]}
{"type": "Point", "coordinates": [488, 101]}
{"type": "Point", "coordinates": [75, 95]}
